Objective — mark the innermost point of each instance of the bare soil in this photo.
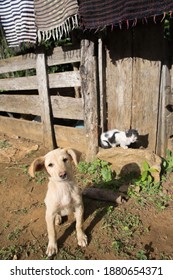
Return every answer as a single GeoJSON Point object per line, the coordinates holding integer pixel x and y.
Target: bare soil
{"type": "Point", "coordinates": [129, 231]}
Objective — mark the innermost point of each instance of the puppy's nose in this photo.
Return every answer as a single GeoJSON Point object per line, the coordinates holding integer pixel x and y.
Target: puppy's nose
{"type": "Point", "coordinates": [63, 175]}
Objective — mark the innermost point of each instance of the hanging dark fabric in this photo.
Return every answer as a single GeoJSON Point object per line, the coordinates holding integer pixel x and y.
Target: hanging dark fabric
{"type": "Point", "coordinates": [99, 13]}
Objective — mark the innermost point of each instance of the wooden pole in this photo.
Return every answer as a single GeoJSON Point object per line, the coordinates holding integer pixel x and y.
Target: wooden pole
{"type": "Point", "coordinates": [88, 70]}
{"type": "Point", "coordinates": [102, 87]}
{"type": "Point", "coordinates": [162, 132]}
{"type": "Point", "coordinates": [46, 114]}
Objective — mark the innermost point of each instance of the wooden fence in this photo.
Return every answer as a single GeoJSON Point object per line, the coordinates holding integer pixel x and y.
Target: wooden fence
{"type": "Point", "coordinates": [31, 95]}
{"type": "Point", "coordinates": [125, 81]}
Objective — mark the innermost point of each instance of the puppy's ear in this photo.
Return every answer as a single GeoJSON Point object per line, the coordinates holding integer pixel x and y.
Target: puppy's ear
{"type": "Point", "coordinates": [36, 165]}
{"type": "Point", "coordinates": [73, 155]}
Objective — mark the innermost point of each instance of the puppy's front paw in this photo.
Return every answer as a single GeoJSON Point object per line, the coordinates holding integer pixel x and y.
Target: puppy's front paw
{"type": "Point", "coordinates": [58, 220]}
{"type": "Point", "coordinates": [82, 240]}
{"type": "Point", "coordinates": [52, 249]}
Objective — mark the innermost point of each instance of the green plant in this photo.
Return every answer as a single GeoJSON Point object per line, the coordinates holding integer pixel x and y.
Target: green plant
{"type": "Point", "coordinates": [15, 233]}
{"type": "Point", "coordinates": [4, 144]}
{"type": "Point", "coordinates": [11, 252]}
{"type": "Point", "coordinates": [126, 222]}
{"type": "Point", "coordinates": [140, 255]}
{"type": "Point", "coordinates": [167, 162]}
{"type": "Point", "coordinates": [3, 180]}
{"type": "Point", "coordinates": [99, 170]}
{"type": "Point", "coordinates": [24, 168]}
{"type": "Point", "coordinates": [145, 182]}
{"type": "Point", "coordinates": [117, 245]}
{"type": "Point", "coordinates": [40, 177]}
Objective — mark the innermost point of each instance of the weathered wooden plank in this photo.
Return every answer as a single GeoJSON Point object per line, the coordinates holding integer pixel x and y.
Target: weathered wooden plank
{"type": "Point", "coordinates": [163, 119]}
{"type": "Point", "coordinates": [34, 131]}
{"type": "Point", "coordinates": [63, 55]}
{"type": "Point", "coordinates": [146, 76]}
{"type": "Point", "coordinates": [71, 137]}
{"type": "Point", "coordinates": [18, 63]}
{"type": "Point", "coordinates": [119, 79]}
{"type": "Point", "coordinates": [63, 107]}
{"type": "Point", "coordinates": [170, 104]}
{"type": "Point", "coordinates": [60, 55]}
{"type": "Point", "coordinates": [46, 112]}
{"type": "Point", "coordinates": [102, 85]}
{"type": "Point", "coordinates": [65, 79]}
{"type": "Point", "coordinates": [67, 107]}
{"type": "Point", "coordinates": [24, 104]}
{"type": "Point", "coordinates": [90, 96]}
{"type": "Point", "coordinates": [23, 83]}
{"type": "Point", "coordinates": [148, 53]}
{"type": "Point", "coordinates": [22, 128]}
{"type": "Point", "coordinates": [57, 80]}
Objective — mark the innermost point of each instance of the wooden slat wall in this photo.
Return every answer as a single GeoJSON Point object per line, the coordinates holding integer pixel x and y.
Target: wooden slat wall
{"type": "Point", "coordinates": [134, 79]}
{"type": "Point", "coordinates": [119, 80]}
{"type": "Point", "coordinates": [65, 136]}
{"type": "Point", "coordinates": [37, 104]}
{"type": "Point", "coordinates": [22, 128]}
{"type": "Point", "coordinates": [146, 81]}
{"type": "Point", "coordinates": [63, 107]}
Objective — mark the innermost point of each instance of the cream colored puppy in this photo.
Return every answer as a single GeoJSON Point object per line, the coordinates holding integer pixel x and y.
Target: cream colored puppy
{"type": "Point", "coordinates": [63, 196]}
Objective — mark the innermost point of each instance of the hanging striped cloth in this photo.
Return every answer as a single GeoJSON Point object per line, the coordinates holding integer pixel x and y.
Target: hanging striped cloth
{"type": "Point", "coordinates": [18, 21]}
{"type": "Point", "coordinates": [55, 18]}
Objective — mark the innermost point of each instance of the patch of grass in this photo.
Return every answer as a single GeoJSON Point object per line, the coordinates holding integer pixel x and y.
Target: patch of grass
{"type": "Point", "coordinates": [40, 177]}
{"type": "Point", "coordinates": [98, 170]}
{"type": "Point", "coordinates": [3, 180]}
{"type": "Point", "coordinates": [4, 144]}
{"type": "Point", "coordinates": [21, 211]}
{"type": "Point", "coordinates": [66, 253]}
{"type": "Point", "coordinates": [141, 255]}
{"type": "Point", "coordinates": [167, 162]}
{"type": "Point", "coordinates": [6, 225]}
{"type": "Point", "coordinates": [123, 229]}
{"type": "Point", "coordinates": [11, 252]}
{"type": "Point", "coordinates": [15, 234]}
{"type": "Point", "coordinates": [24, 168]}
{"type": "Point", "coordinates": [145, 190]}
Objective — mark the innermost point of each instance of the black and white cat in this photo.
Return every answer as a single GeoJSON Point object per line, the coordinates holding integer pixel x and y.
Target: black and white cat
{"type": "Point", "coordinates": [115, 137]}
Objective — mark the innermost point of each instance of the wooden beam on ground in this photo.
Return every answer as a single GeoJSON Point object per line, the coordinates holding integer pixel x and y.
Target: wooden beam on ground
{"type": "Point", "coordinates": [88, 70]}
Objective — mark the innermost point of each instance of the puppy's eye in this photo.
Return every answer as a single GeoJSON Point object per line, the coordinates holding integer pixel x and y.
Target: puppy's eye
{"type": "Point", "coordinates": [50, 164]}
{"type": "Point", "coordinates": [65, 159]}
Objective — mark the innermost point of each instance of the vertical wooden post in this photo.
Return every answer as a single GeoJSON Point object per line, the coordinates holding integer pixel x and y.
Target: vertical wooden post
{"type": "Point", "coordinates": [43, 90]}
{"type": "Point", "coordinates": [88, 70]}
{"type": "Point", "coordinates": [162, 133]}
{"type": "Point", "coordinates": [102, 87]}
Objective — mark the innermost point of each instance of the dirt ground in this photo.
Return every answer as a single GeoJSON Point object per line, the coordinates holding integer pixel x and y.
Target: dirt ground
{"type": "Point", "coordinates": [129, 231]}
